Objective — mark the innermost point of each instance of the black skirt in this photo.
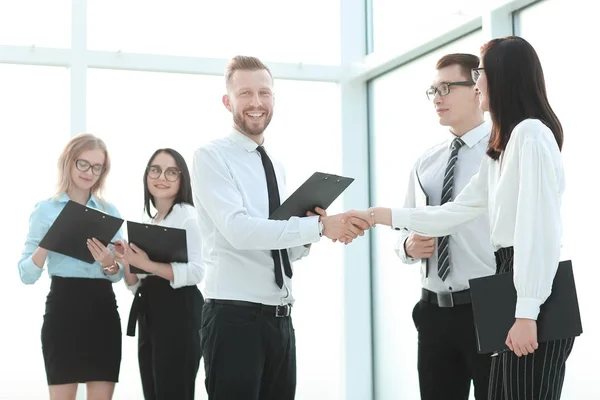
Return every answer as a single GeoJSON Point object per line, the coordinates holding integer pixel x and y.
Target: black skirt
{"type": "Point", "coordinates": [81, 334]}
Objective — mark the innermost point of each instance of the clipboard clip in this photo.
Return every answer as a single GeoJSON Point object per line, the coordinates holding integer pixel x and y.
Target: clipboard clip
{"type": "Point", "coordinates": [338, 181]}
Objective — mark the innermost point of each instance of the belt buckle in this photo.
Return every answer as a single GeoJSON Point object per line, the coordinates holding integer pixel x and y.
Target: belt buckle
{"type": "Point", "coordinates": [283, 310]}
{"type": "Point", "coordinates": [445, 299]}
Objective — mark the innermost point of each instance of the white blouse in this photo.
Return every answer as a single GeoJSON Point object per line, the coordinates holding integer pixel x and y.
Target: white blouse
{"type": "Point", "coordinates": [183, 216]}
{"type": "Point", "coordinates": [522, 194]}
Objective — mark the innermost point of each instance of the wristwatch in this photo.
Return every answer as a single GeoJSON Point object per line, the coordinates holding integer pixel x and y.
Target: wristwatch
{"type": "Point", "coordinates": [109, 267]}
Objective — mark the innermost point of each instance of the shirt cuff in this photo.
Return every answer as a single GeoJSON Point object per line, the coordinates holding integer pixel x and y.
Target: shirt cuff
{"type": "Point", "coordinates": [133, 288]}
{"type": "Point", "coordinates": [527, 307]}
{"type": "Point", "coordinates": [400, 218]}
{"type": "Point", "coordinates": [32, 271]}
{"type": "Point", "coordinates": [309, 229]}
{"type": "Point", "coordinates": [179, 275]}
{"type": "Point", "coordinates": [115, 277]}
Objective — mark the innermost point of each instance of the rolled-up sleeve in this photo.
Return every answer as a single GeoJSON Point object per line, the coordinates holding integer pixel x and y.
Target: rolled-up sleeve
{"type": "Point", "coordinates": [192, 272]}
{"type": "Point", "coordinates": [38, 226]}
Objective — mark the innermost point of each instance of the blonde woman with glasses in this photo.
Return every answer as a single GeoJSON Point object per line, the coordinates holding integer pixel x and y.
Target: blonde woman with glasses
{"type": "Point", "coordinates": [81, 333]}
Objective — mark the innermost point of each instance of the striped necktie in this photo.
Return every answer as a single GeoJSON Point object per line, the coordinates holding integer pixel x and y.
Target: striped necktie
{"type": "Point", "coordinates": [443, 250]}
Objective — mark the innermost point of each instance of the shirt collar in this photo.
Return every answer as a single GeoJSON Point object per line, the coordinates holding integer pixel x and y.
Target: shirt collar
{"type": "Point", "coordinates": [242, 140]}
{"type": "Point", "coordinates": [64, 198]}
{"type": "Point", "coordinates": [475, 135]}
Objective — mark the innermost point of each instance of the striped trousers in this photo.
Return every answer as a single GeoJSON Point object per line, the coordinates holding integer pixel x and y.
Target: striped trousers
{"type": "Point", "coordinates": [537, 376]}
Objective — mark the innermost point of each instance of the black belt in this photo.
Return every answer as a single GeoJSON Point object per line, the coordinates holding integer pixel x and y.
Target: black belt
{"type": "Point", "coordinates": [281, 311]}
{"type": "Point", "coordinates": [446, 299]}
{"type": "Point", "coordinates": [137, 308]}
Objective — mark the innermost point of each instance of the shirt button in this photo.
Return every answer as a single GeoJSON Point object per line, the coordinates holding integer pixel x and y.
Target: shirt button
{"type": "Point", "coordinates": [450, 288]}
{"type": "Point", "coordinates": [397, 229]}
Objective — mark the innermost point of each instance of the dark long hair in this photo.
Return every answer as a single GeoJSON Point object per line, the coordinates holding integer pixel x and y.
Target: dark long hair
{"type": "Point", "coordinates": [184, 195]}
{"type": "Point", "coordinates": [516, 90]}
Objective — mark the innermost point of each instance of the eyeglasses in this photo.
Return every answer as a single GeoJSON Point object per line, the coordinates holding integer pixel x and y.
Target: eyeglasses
{"type": "Point", "coordinates": [171, 173]}
{"type": "Point", "coordinates": [476, 73]}
{"type": "Point", "coordinates": [444, 88]}
{"type": "Point", "coordinates": [83, 166]}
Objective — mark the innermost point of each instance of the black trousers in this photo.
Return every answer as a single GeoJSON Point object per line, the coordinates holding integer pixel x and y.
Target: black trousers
{"type": "Point", "coordinates": [169, 349]}
{"type": "Point", "coordinates": [535, 376]}
{"type": "Point", "coordinates": [447, 354]}
{"type": "Point", "coordinates": [249, 354]}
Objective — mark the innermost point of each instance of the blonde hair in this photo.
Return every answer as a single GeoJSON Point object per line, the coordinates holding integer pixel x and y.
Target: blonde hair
{"type": "Point", "coordinates": [73, 149]}
{"type": "Point", "coordinates": [245, 63]}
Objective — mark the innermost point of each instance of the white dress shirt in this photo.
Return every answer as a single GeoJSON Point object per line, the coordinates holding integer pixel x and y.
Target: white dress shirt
{"type": "Point", "coordinates": [522, 194]}
{"type": "Point", "coordinates": [471, 254]}
{"type": "Point", "coordinates": [230, 193]}
{"type": "Point", "coordinates": [183, 216]}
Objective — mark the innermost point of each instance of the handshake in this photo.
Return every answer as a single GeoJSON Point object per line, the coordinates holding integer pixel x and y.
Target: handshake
{"type": "Point", "coordinates": [344, 227]}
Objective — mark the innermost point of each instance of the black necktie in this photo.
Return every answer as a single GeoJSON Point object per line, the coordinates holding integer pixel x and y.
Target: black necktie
{"type": "Point", "coordinates": [274, 203]}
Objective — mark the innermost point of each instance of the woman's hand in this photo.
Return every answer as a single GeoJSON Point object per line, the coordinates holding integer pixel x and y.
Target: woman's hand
{"type": "Point", "coordinates": [137, 257]}
{"type": "Point", "coordinates": [102, 254]}
{"type": "Point", "coordinates": [522, 337]}
{"type": "Point", "coordinates": [119, 252]}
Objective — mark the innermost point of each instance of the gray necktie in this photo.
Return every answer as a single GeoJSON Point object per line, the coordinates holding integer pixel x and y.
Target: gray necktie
{"type": "Point", "coordinates": [447, 192]}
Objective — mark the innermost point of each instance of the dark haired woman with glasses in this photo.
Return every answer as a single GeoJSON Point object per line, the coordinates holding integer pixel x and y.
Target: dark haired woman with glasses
{"type": "Point", "coordinates": [520, 185]}
{"type": "Point", "coordinates": [167, 302]}
{"type": "Point", "coordinates": [81, 334]}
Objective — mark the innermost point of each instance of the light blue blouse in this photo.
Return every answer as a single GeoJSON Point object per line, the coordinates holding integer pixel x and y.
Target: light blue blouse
{"type": "Point", "coordinates": [42, 217]}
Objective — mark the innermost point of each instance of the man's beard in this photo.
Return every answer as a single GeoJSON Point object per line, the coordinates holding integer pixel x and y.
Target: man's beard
{"type": "Point", "coordinates": [240, 122]}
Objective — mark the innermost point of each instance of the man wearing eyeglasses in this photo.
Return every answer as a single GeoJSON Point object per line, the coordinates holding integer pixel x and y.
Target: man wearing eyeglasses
{"type": "Point", "coordinates": [447, 354]}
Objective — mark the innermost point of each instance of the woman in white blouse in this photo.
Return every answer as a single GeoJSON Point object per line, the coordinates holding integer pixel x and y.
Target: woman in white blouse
{"type": "Point", "coordinates": [167, 304]}
{"type": "Point", "coordinates": [519, 185]}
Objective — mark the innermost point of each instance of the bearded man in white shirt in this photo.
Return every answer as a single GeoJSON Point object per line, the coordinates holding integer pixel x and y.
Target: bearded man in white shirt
{"type": "Point", "coordinates": [248, 338]}
{"type": "Point", "coordinates": [447, 356]}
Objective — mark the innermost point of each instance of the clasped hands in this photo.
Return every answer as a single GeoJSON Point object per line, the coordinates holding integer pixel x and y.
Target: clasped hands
{"type": "Point", "coordinates": [344, 227]}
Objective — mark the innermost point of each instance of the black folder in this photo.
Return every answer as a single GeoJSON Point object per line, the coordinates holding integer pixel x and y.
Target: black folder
{"type": "Point", "coordinates": [161, 243]}
{"type": "Point", "coordinates": [320, 190]}
{"type": "Point", "coordinates": [76, 224]}
{"type": "Point", "coordinates": [495, 298]}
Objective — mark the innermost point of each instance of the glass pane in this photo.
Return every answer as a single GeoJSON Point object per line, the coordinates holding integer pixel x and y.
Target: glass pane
{"type": "Point", "coordinates": [219, 29]}
{"type": "Point", "coordinates": [401, 25]}
{"type": "Point", "coordinates": [35, 22]}
{"type": "Point", "coordinates": [404, 125]}
{"type": "Point", "coordinates": [35, 126]}
{"type": "Point", "coordinates": [138, 112]}
{"type": "Point", "coordinates": [557, 48]}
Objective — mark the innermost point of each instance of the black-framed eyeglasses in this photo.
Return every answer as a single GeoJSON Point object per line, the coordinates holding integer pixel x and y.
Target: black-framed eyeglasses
{"type": "Point", "coordinates": [444, 88]}
{"type": "Point", "coordinates": [476, 73]}
{"type": "Point", "coordinates": [171, 173]}
{"type": "Point", "coordinates": [83, 166]}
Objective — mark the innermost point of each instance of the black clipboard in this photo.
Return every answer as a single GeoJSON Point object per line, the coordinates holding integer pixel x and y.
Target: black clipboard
{"type": "Point", "coordinates": [320, 190]}
{"type": "Point", "coordinates": [76, 224]}
{"type": "Point", "coordinates": [162, 244]}
{"type": "Point", "coordinates": [495, 298]}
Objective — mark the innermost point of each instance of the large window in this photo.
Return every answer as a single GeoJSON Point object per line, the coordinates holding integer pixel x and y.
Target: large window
{"type": "Point", "coordinates": [139, 112]}
{"type": "Point", "coordinates": [274, 30]}
{"type": "Point", "coordinates": [399, 26]}
{"type": "Point", "coordinates": [35, 23]}
{"type": "Point", "coordinates": [35, 128]}
{"type": "Point", "coordinates": [403, 126]}
{"type": "Point", "coordinates": [563, 53]}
